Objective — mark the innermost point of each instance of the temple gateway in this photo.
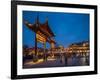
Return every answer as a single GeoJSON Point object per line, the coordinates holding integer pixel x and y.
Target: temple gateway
{"type": "Point", "coordinates": [43, 34]}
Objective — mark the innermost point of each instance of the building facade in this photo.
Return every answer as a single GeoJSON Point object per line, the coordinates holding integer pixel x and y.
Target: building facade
{"type": "Point", "coordinates": [81, 48]}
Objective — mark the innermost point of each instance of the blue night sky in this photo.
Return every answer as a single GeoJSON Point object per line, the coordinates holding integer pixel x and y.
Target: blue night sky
{"type": "Point", "coordinates": [67, 27]}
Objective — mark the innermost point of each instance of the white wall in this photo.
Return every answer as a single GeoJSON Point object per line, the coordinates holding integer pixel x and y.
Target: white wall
{"type": "Point", "coordinates": [5, 36]}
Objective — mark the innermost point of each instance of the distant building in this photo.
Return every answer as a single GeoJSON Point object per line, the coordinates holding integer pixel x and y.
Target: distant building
{"type": "Point", "coordinates": [81, 48]}
{"type": "Point", "coordinates": [31, 51]}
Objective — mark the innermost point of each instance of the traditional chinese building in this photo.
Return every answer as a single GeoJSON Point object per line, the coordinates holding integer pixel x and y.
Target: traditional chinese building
{"type": "Point", "coordinates": [81, 48]}
{"type": "Point", "coordinates": [43, 34]}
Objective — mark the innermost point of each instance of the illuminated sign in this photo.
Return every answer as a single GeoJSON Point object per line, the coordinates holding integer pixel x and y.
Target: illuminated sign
{"type": "Point", "coordinates": [40, 38]}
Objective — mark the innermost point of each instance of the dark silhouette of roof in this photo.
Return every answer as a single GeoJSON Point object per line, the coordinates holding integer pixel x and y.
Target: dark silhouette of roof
{"type": "Point", "coordinates": [43, 28]}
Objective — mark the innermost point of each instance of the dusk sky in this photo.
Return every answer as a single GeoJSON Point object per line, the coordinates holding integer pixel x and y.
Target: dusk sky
{"type": "Point", "coordinates": [67, 27]}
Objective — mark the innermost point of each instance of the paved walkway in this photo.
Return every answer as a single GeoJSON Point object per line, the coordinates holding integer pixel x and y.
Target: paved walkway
{"type": "Point", "coordinates": [40, 63]}
{"type": "Point", "coordinates": [52, 62]}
